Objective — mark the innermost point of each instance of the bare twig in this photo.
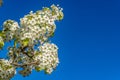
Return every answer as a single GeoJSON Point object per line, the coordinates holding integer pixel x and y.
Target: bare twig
{"type": "Point", "coordinates": [1, 2]}
{"type": "Point", "coordinates": [25, 64]}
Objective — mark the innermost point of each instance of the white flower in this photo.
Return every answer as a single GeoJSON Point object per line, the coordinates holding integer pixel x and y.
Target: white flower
{"type": "Point", "coordinates": [7, 71]}
{"type": "Point", "coordinates": [48, 57]}
{"type": "Point", "coordinates": [35, 30]}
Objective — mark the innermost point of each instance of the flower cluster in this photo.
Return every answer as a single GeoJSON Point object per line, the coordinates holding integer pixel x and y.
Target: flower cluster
{"type": "Point", "coordinates": [7, 71]}
{"type": "Point", "coordinates": [10, 28]}
{"type": "Point", "coordinates": [39, 25]}
{"type": "Point", "coordinates": [31, 49]}
{"type": "Point", "coordinates": [48, 57]}
{"type": "Point", "coordinates": [26, 70]}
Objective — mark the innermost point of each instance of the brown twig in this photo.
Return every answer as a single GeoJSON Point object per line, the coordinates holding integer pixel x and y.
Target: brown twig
{"type": "Point", "coordinates": [1, 2]}
{"type": "Point", "coordinates": [25, 64]}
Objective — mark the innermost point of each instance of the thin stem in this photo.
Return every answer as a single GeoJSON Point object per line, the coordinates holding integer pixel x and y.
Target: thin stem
{"type": "Point", "coordinates": [25, 64]}
{"type": "Point", "coordinates": [1, 2]}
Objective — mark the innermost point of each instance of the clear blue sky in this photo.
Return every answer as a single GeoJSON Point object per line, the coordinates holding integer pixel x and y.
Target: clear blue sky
{"type": "Point", "coordinates": [88, 38]}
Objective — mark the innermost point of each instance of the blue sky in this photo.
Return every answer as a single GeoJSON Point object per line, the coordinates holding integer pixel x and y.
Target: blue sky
{"type": "Point", "coordinates": [88, 38]}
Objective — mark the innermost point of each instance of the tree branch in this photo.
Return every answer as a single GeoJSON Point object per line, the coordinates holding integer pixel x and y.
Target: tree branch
{"type": "Point", "coordinates": [25, 64]}
{"type": "Point", "coordinates": [23, 51]}
{"type": "Point", "coordinates": [1, 2]}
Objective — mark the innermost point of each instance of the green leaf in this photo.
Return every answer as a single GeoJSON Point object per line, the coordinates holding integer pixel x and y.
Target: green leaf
{"type": "Point", "coordinates": [51, 34]}
{"type": "Point", "coordinates": [1, 44]}
{"type": "Point", "coordinates": [53, 13]}
{"type": "Point", "coordinates": [2, 34]}
{"type": "Point", "coordinates": [30, 17]}
{"type": "Point", "coordinates": [45, 9]}
{"type": "Point", "coordinates": [25, 42]}
{"type": "Point", "coordinates": [61, 15]}
{"type": "Point", "coordinates": [38, 68]}
{"type": "Point", "coordinates": [15, 43]}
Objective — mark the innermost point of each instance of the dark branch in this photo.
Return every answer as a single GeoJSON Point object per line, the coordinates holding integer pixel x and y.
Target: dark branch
{"type": "Point", "coordinates": [25, 64]}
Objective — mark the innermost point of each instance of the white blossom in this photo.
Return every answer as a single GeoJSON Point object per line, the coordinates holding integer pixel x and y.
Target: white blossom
{"type": "Point", "coordinates": [7, 71]}
{"type": "Point", "coordinates": [48, 57]}
{"type": "Point", "coordinates": [31, 49]}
